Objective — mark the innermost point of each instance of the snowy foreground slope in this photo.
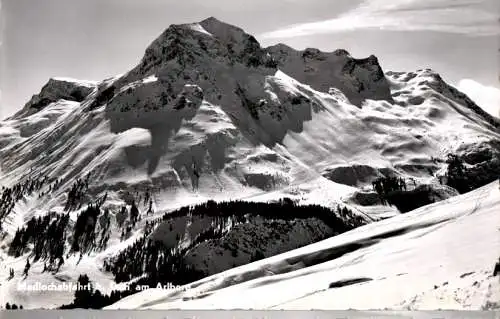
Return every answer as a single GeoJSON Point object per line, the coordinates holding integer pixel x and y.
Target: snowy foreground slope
{"type": "Point", "coordinates": [209, 114]}
{"type": "Point", "coordinates": [438, 257]}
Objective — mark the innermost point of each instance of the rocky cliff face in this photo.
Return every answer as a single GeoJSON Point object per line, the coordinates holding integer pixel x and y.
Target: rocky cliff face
{"type": "Point", "coordinates": [358, 79]}
{"type": "Point", "coordinates": [58, 89]}
{"type": "Point", "coordinates": [230, 66]}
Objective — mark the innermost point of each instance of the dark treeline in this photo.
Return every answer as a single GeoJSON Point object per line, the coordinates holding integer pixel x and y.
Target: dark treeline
{"type": "Point", "coordinates": [406, 201]}
{"type": "Point", "coordinates": [150, 258]}
{"type": "Point", "coordinates": [393, 191]}
{"type": "Point", "coordinates": [84, 231]}
{"type": "Point", "coordinates": [9, 306]}
{"type": "Point", "coordinates": [52, 238]}
{"type": "Point", "coordinates": [284, 209]}
{"type": "Point", "coordinates": [154, 263]}
{"type": "Point", "coordinates": [76, 194]}
{"type": "Point", "coordinates": [157, 263]}
{"type": "Point", "coordinates": [9, 196]}
{"type": "Point", "coordinates": [386, 185]}
{"type": "Point", "coordinates": [128, 219]}
{"type": "Point", "coordinates": [456, 176]}
{"type": "Point", "coordinates": [48, 237]}
{"type": "Point", "coordinates": [150, 262]}
{"type": "Point", "coordinates": [466, 178]}
{"type": "Point", "coordinates": [134, 214]}
{"type": "Point", "coordinates": [87, 297]}
{"type": "Point", "coordinates": [92, 228]}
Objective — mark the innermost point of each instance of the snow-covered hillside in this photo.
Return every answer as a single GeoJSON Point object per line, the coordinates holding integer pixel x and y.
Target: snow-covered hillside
{"type": "Point", "coordinates": [441, 256]}
{"type": "Point", "coordinates": [209, 114]}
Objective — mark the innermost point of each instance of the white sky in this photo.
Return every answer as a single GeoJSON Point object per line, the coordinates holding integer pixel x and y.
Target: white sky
{"type": "Point", "coordinates": [467, 17]}
{"type": "Point", "coordinates": [95, 39]}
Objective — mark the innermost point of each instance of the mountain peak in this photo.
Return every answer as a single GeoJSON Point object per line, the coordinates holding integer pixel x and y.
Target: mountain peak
{"type": "Point", "coordinates": [211, 19]}
{"type": "Point", "coordinates": [192, 44]}
{"type": "Point", "coordinates": [57, 88]}
{"type": "Point", "coordinates": [223, 31]}
{"type": "Point", "coordinates": [199, 46]}
{"type": "Point", "coordinates": [212, 22]}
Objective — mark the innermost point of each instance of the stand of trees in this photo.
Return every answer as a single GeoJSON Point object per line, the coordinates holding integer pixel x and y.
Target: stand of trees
{"type": "Point", "coordinates": [406, 201]}
{"type": "Point", "coordinates": [284, 209]}
{"type": "Point", "coordinates": [84, 232]}
{"type": "Point", "coordinates": [48, 237]}
{"type": "Point", "coordinates": [9, 196]}
{"type": "Point", "coordinates": [9, 306]}
{"type": "Point", "coordinates": [150, 262]}
{"type": "Point", "coordinates": [485, 170]}
{"type": "Point", "coordinates": [456, 176]}
{"type": "Point", "coordinates": [154, 262]}
{"type": "Point", "coordinates": [393, 191]}
{"type": "Point", "coordinates": [385, 186]}
{"type": "Point", "coordinates": [87, 236]}
{"type": "Point", "coordinates": [87, 297]}
{"type": "Point", "coordinates": [76, 195]}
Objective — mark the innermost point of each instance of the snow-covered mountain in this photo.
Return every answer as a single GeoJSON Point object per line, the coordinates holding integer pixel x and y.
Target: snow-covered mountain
{"type": "Point", "coordinates": [209, 114]}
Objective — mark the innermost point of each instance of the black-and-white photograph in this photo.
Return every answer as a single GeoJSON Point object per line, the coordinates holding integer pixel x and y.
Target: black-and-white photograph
{"type": "Point", "coordinates": [249, 155]}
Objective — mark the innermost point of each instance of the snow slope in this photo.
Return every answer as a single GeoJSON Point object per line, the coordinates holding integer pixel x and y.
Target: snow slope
{"type": "Point", "coordinates": [438, 257]}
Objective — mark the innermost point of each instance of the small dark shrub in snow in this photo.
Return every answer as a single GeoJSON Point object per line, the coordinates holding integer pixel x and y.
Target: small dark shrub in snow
{"type": "Point", "coordinates": [9, 306]}
{"type": "Point", "coordinates": [496, 271]}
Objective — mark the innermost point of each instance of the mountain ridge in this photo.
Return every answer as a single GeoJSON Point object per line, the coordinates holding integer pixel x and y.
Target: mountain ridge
{"type": "Point", "coordinates": [276, 56]}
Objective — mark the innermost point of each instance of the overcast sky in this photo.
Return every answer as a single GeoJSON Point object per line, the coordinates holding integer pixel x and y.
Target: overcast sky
{"type": "Point", "coordinates": [95, 39]}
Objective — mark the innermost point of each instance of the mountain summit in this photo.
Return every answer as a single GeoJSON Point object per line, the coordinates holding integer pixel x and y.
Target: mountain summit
{"type": "Point", "coordinates": [214, 152]}
{"type": "Point", "coordinates": [212, 46]}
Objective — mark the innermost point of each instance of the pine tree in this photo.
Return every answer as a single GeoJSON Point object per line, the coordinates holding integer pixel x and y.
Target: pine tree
{"type": "Point", "coordinates": [84, 292]}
